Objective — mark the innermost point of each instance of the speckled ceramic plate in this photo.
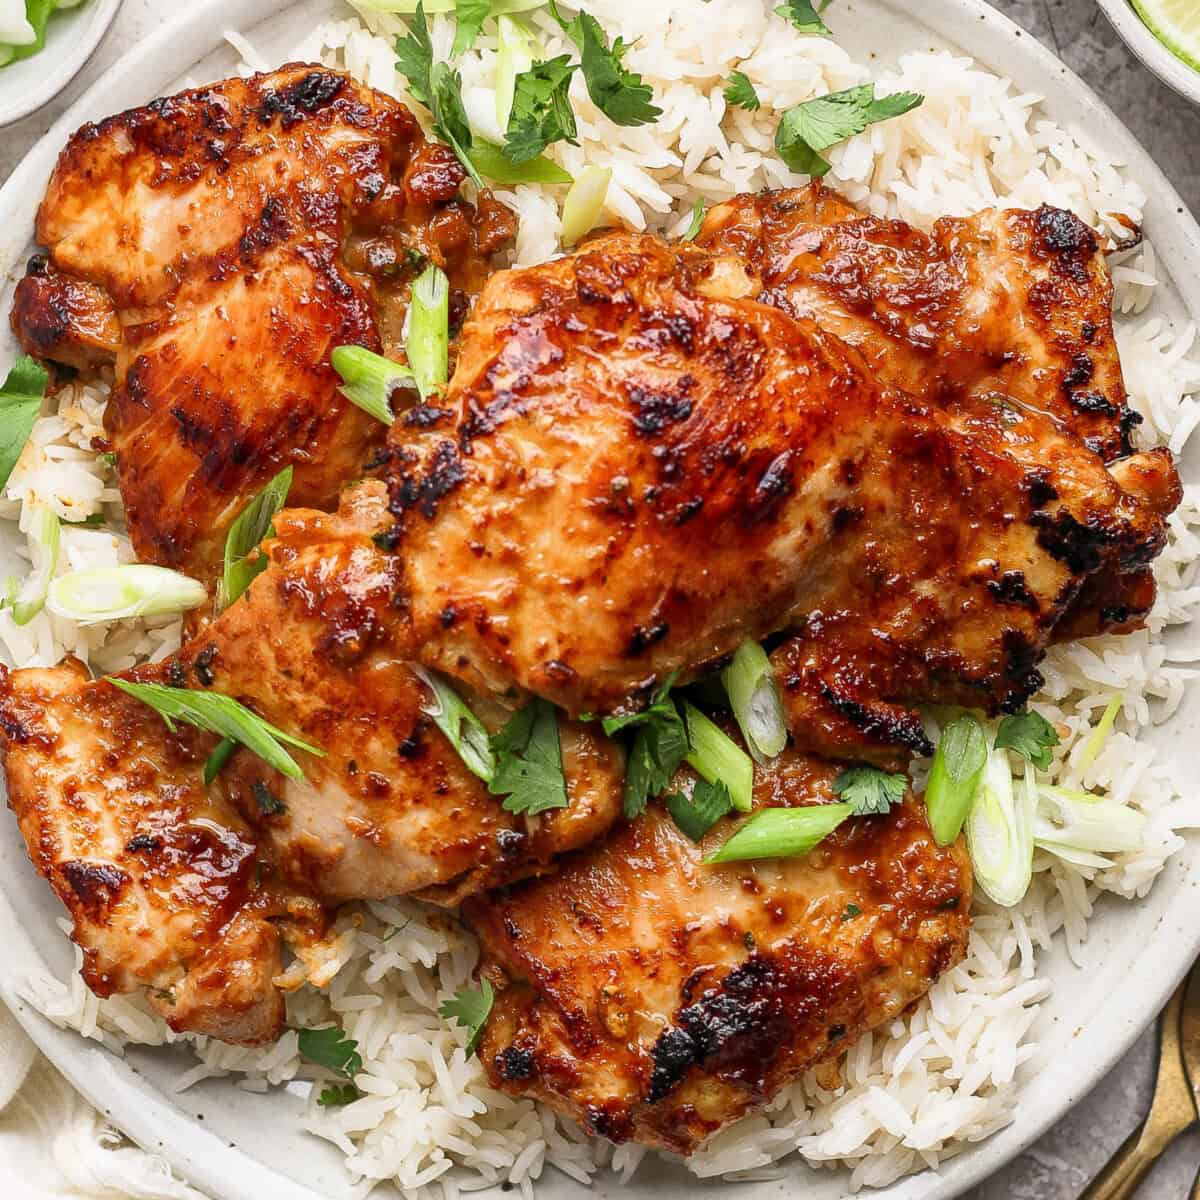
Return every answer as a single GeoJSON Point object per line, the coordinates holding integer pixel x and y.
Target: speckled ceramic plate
{"type": "Point", "coordinates": [1170, 68]}
{"type": "Point", "coordinates": [238, 1146]}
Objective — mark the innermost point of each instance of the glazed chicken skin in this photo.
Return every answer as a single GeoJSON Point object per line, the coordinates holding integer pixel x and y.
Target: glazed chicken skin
{"type": "Point", "coordinates": [174, 887]}
{"type": "Point", "coordinates": [1012, 303]}
{"type": "Point", "coordinates": [163, 882]}
{"type": "Point", "coordinates": [213, 248]}
{"type": "Point", "coordinates": [654, 997]}
{"type": "Point", "coordinates": [638, 465]}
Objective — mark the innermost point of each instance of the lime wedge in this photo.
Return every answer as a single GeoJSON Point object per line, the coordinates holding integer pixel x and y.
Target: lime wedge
{"type": "Point", "coordinates": [1176, 23]}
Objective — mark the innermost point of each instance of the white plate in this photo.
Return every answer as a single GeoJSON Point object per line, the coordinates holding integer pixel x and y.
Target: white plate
{"type": "Point", "coordinates": [1171, 69]}
{"type": "Point", "coordinates": [247, 1147]}
{"type": "Point", "coordinates": [71, 37]}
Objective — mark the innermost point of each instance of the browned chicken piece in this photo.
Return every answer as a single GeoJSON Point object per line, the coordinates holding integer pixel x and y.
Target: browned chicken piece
{"type": "Point", "coordinates": [214, 247]}
{"type": "Point", "coordinates": [317, 646]}
{"type": "Point", "coordinates": [1011, 303]}
{"type": "Point", "coordinates": [639, 465]}
{"type": "Point", "coordinates": [163, 882]}
{"type": "Point", "coordinates": [651, 996]}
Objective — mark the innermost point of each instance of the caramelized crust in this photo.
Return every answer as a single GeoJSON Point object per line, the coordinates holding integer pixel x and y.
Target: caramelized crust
{"type": "Point", "coordinates": [239, 233]}
{"type": "Point", "coordinates": [650, 996]}
{"type": "Point", "coordinates": [638, 466]}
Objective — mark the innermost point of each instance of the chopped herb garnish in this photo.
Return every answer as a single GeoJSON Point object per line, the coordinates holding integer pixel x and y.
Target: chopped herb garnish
{"type": "Point", "coordinates": [803, 14]}
{"type": "Point", "coordinates": [659, 745]}
{"type": "Point", "coordinates": [492, 162]}
{"type": "Point", "coordinates": [739, 91]}
{"type": "Point", "coordinates": [696, 221]}
{"type": "Point", "coordinates": [332, 1049]}
{"type": "Point", "coordinates": [870, 790]}
{"type": "Point", "coordinates": [470, 1008]}
{"type": "Point", "coordinates": [337, 1095]}
{"type": "Point", "coordinates": [265, 800]}
{"type": "Point", "coordinates": [717, 757]}
{"type": "Point", "coordinates": [222, 715]}
{"type": "Point", "coordinates": [45, 540]}
{"type": "Point", "coordinates": [369, 379]}
{"type": "Point", "coordinates": [782, 832]}
{"type": "Point", "coordinates": [709, 802]}
{"type": "Point", "coordinates": [244, 561]}
{"type": "Point", "coordinates": [817, 124]}
{"type": "Point", "coordinates": [21, 396]}
{"type": "Point", "coordinates": [852, 911]}
{"type": "Point", "coordinates": [461, 727]}
{"type": "Point", "coordinates": [414, 56]}
{"type": "Point", "coordinates": [541, 109]}
{"type": "Point", "coordinates": [1030, 735]}
{"type": "Point", "coordinates": [91, 521]}
{"type": "Point", "coordinates": [109, 458]}
{"type": "Point", "coordinates": [469, 16]}
{"type": "Point", "coordinates": [620, 94]}
{"type": "Point", "coordinates": [529, 768]}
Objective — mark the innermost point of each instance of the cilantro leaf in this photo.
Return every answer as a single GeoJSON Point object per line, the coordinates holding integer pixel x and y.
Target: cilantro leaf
{"type": "Point", "coordinates": [660, 744]}
{"type": "Point", "coordinates": [469, 16]}
{"type": "Point", "coordinates": [619, 93]}
{"type": "Point", "coordinates": [470, 1008]}
{"type": "Point", "coordinates": [708, 804]}
{"type": "Point", "coordinates": [824, 121]}
{"type": "Point", "coordinates": [331, 1048]}
{"type": "Point", "coordinates": [696, 221]}
{"type": "Point", "coordinates": [21, 396]}
{"type": "Point", "coordinates": [541, 111]}
{"type": "Point", "coordinates": [529, 769]}
{"type": "Point", "coordinates": [337, 1095]}
{"type": "Point", "coordinates": [1030, 735]}
{"type": "Point", "coordinates": [414, 56]}
{"type": "Point", "coordinates": [740, 91]}
{"type": "Point", "coordinates": [870, 790]}
{"type": "Point", "coordinates": [450, 116]}
{"type": "Point", "coordinates": [804, 16]}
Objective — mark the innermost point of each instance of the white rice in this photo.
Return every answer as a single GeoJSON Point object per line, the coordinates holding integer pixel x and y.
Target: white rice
{"type": "Point", "coordinates": [948, 1073]}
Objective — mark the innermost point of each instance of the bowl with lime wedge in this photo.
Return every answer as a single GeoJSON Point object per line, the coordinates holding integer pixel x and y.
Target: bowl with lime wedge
{"type": "Point", "coordinates": [44, 44]}
{"type": "Point", "coordinates": [1165, 35]}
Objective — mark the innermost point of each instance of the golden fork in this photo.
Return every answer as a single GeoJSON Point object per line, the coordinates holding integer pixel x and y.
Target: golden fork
{"type": "Point", "coordinates": [1173, 1108]}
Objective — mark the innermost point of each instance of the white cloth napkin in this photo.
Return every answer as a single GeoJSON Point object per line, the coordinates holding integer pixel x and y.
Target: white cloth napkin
{"type": "Point", "coordinates": [55, 1146]}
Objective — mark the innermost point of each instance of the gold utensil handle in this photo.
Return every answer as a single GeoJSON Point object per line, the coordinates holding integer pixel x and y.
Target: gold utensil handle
{"type": "Point", "coordinates": [1171, 1112]}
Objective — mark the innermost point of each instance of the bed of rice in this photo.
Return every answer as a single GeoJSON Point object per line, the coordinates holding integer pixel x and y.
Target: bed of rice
{"type": "Point", "coordinates": [946, 1074]}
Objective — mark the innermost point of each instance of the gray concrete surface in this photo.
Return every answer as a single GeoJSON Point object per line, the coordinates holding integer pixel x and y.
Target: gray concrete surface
{"type": "Point", "coordinates": [1060, 1165]}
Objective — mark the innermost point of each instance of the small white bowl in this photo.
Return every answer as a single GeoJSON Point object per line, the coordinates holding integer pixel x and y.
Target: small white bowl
{"type": "Point", "coordinates": [71, 37]}
{"type": "Point", "coordinates": [1173, 71]}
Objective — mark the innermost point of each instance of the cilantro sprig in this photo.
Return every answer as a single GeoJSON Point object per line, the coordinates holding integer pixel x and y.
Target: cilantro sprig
{"type": "Point", "coordinates": [814, 125]}
{"type": "Point", "coordinates": [331, 1048]}
{"type": "Point", "coordinates": [739, 92]}
{"type": "Point", "coordinates": [870, 791]}
{"type": "Point", "coordinates": [529, 767]}
{"type": "Point", "coordinates": [697, 814]}
{"type": "Point", "coordinates": [470, 1007]}
{"type": "Point", "coordinates": [541, 109]}
{"type": "Point", "coordinates": [806, 16]}
{"type": "Point", "coordinates": [660, 744]}
{"type": "Point", "coordinates": [1030, 735]}
{"type": "Point", "coordinates": [21, 396]}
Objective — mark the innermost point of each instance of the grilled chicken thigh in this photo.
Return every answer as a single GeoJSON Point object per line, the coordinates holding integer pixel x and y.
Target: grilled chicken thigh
{"type": "Point", "coordinates": [1010, 303]}
{"type": "Point", "coordinates": [639, 465]}
{"type": "Point", "coordinates": [214, 247]}
{"type": "Point", "coordinates": [651, 996]}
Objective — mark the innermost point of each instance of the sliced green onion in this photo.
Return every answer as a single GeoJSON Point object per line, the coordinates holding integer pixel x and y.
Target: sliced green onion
{"type": "Point", "coordinates": [215, 763]}
{"type": "Point", "coordinates": [515, 53]}
{"type": "Point", "coordinates": [782, 832]}
{"type": "Point", "coordinates": [222, 715]}
{"type": "Point", "coordinates": [45, 537]}
{"type": "Point", "coordinates": [368, 380]}
{"type": "Point", "coordinates": [491, 161]}
{"type": "Point", "coordinates": [428, 340]}
{"type": "Point", "coordinates": [713, 754]}
{"type": "Point", "coordinates": [99, 594]}
{"type": "Point", "coordinates": [1095, 743]}
{"type": "Point", "coordinates": [1000, 831]}
{"type": "Point", "coordinates": [954, 777]}
{"type": "Point", "coordinates": [461, 727]}
{"type": "Point", "coordinates": [696, 221]}
{"type": "Point", "coordinates": [408, 7]}
{"type": "Point", "coordinates": [1072, 824]}
{"type": "Point", "coordinates": [754, 697]}
{"type": "Point", "coordinates": [255, 522]}
{"type": "Point", "coordinates": [584, 204]}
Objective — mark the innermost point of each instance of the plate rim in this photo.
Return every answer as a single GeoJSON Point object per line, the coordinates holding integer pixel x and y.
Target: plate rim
{"type": "Point", "coordinates": [1161, 62]}
{"type": "Point", "coordinates": [100, 21]}
{"type": "Point", "coordinates": [229, 1173]}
